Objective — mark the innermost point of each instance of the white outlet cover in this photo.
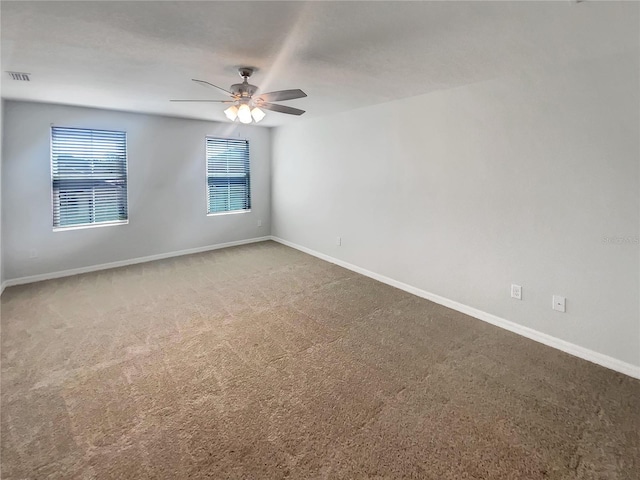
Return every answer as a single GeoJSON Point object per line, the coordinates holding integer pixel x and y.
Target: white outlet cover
{"type": "Point", "coordinates": [516, 291]}
{"type": "Point", "coordinates": [559, 303]}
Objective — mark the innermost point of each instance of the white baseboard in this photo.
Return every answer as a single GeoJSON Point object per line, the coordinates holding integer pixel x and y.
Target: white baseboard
{"type": "Point", "coordinates": [124, 263]}
{"type": "Point", "coordinates": [567, 347]}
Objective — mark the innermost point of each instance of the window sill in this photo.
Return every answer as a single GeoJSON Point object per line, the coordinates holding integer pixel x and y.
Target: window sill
{"type": "Point", "coordinates": [89, 225]}
{"type": "Point", "coordinates": [232, 212]}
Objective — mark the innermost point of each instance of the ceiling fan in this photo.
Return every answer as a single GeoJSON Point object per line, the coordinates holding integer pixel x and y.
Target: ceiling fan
{"type": "Point", "coordinates": [247, 104]}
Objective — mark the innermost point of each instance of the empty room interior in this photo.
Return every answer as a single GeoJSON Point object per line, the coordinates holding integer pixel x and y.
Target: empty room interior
{"type": "Point", "coordinates": [320, 240]}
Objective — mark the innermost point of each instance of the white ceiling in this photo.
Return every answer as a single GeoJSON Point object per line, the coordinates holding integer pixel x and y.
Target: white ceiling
{"type": "Point", "coordinates": [137, 55]}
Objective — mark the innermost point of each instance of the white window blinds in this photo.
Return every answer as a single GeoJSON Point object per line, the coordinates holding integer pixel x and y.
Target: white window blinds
{"type": "Point", "coordinates": [228, 183]}
{"type": "Point", "coordinates": [89, 175]}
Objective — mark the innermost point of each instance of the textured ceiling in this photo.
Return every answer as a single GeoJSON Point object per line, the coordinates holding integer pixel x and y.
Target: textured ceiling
{"type": "Point", "coordinates": [137, 55]}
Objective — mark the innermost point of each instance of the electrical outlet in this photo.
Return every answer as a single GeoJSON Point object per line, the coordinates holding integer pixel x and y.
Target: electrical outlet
{"type": "Point", "coordinates": [338, 241]}
{"type": "Point", "coordinates": [559, 303]}
{"type": "Point", "coordinates": [259, 223]}
{"type": "Point", "coordinates": [516, 291]}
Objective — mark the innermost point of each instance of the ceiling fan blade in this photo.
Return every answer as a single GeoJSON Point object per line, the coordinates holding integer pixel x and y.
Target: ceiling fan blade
{"type": "Point", "coordinates": [207, 84]}
{"type": "Point", "coordinates": [208, 101]}
{"type": "Point", "coordinates": [282, 95]}
{"type": "Point", "coordinates": [281, 108]}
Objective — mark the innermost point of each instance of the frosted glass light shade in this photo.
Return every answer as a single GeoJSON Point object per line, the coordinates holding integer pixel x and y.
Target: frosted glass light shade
{"type": "Point", "coordinates": [257, 114]}
{"type": "Point", "coordinates": [231, 112]}
{"type": "Point", "coordinates": [244, 113]}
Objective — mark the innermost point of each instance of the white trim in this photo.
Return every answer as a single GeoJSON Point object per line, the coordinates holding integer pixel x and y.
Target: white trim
{"type": "Point", "coordinates": [229, 212]}
{"type": "Point", "coordinates": [90, 225]}
{"type": "Point", "coordinates": [124, 263]}
{"type": "Point", "coordinates": [567, 347]}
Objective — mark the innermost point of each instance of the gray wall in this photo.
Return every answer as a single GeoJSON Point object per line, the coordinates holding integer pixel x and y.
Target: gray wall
{"type": "Point", "coordinates": [529, 179]}
{"type": "Point", "coordinates": [167, 189]}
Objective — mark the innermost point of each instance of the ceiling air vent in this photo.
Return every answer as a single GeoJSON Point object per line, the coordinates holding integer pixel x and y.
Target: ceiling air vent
{"type": "Point", "coordinates": [20, 76]}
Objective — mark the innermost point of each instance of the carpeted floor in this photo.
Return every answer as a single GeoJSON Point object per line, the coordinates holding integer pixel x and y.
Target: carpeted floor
{"type": "Point", "coordinates": [261, 362]}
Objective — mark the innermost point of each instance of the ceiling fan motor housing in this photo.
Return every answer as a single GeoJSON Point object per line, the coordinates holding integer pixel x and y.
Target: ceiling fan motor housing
{"type": "Point", "coordinates": [243, 90]}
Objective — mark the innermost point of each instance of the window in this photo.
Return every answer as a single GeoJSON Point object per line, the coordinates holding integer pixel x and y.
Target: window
{"type": "Point", "coordinates": [228, 187]}
{"type": "Point", "coordinates": [89, 177]}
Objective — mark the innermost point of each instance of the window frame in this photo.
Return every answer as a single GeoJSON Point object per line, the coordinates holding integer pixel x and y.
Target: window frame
{"type": "Point", "coordinates": [206, 171]}
{"type": "Point", "coordinates": [81, 226]}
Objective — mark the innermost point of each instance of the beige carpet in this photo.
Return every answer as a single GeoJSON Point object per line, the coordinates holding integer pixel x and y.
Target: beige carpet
{"type": "Point", "coordinates": [260, 362]}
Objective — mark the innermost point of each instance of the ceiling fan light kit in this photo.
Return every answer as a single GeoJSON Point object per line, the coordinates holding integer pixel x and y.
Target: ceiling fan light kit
{"type": "Point", "coordinates": [247, 106]}
{"type": "Point", "coordinates": [244, 113]}
{"type": "Point", "coordinates": [231, 112]}
{"type": "Point", "coordinates": [257, 114]}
